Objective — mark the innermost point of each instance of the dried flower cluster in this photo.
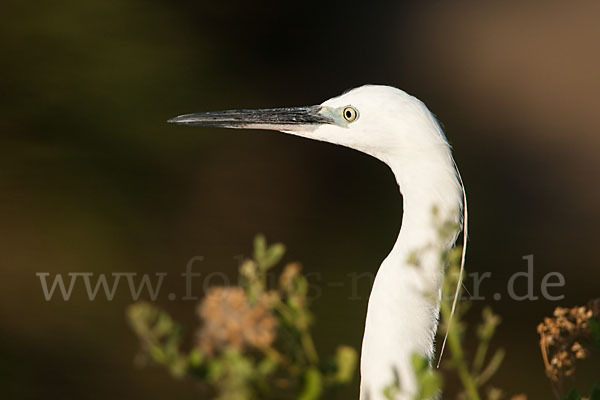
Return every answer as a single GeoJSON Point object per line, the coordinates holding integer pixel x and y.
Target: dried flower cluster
{"type": "Point", "coordinates": [561, 339]}
{"type": "Point", "coordinates": [230, 320]}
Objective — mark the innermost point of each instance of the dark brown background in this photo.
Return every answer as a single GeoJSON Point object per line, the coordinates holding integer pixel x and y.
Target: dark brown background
{"type": "Point", "coordinates": [93, 179]}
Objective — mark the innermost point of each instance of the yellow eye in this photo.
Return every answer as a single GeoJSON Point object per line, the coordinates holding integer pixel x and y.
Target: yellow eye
{"type": "Point", "coordinates": [350, 114]}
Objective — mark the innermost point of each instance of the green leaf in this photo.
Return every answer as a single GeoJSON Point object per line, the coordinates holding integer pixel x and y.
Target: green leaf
{"type": "Point", "coordinates": [164, 324]}
{"type": "Point", "coordinates": [595, 328]}
{"type": "Point", "coordinates": [573, 395]}
{"type": "Point", "coordinates": [267, 256]}
{"type": "Point", "coordinates": [313, 385]}
{"type": "Point", "coordinates": [389, 392]}
{"type": "Point", "coordinates": [431, 383]}
{"type": "Point", "coordinates": [260, 247]}
{"type": "Point", "coordinates": [393, 389]}
{"type": "Point", "coordinates": [157, 354]}
{"type": "Point", "coordinates": [267, 366]}
{"type": "Point", "coordinates": [273, 255]}
{"type": "Point", "coordinates": [178, 367]}
{"type": "Point", "coordinates": [345, 359]}
{"type": "Point", "coordinates": [215, 370]}
{"type": "Point", "coordinates": [195, 358]}
{"type": "Point", "coordinates": [419, 363]}
{"type": "Point", "coordinates": [595, 394]}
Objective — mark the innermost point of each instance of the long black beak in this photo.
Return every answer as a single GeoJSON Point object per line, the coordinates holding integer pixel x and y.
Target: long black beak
{"type": "Point", "coordinates": [282, 119]}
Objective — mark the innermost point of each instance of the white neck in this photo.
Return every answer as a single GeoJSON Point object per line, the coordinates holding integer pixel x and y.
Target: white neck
{"type": "Point", "coordinates": [403, 307]}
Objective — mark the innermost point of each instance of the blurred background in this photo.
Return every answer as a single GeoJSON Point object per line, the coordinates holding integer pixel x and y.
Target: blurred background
{"type": "Point", "coordinates": [92, 179]}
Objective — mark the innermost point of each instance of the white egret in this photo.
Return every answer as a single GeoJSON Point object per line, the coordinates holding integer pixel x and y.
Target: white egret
{"type": "Point", "coordinates": [398, 129]}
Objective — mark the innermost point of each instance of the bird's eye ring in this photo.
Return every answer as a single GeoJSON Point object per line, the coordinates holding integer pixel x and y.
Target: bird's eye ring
{"type": "Point", "coordinates": [350, 114]}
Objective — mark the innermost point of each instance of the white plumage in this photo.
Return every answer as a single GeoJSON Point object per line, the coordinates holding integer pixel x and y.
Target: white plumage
{"type": "Point", "coordinates": [399, 130]}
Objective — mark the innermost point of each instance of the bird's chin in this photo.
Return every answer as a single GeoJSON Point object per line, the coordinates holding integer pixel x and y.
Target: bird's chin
{"type": "Point", "coordinates": [305, 131]}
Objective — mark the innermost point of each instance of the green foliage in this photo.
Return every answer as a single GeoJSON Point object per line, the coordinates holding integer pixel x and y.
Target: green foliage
{"type": "Point", "coordinates": [595, 393]}
{"type": "Point", "coordinates": [393, 390]}
{"type": "Point", "coordinates": [575, 395]}
{"type": "Point", "coordinates": [429, 382]}
{"type": "Point", "coordinates": [288, 366]}
{"type": "Point", "coordinates": [595, 329]}
{"type": "Point", "coordinates": [313, 384]}
{"type": "Point", "coordinates": [267, 256]}
{"type": "Point", "coordinates": [345, 362]}
{"type": "Point", "coordinates": [160, 337]}
{"type": "Point", "coordinates": [473, 375]}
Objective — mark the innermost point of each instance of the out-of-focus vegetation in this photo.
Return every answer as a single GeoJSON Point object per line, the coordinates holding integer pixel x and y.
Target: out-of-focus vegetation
{"type": "Point", "coordinates": [474, 374]}
{"type": "Point", "coordinates": [254, 341]}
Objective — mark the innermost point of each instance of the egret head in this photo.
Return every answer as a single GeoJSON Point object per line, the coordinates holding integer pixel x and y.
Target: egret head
{"type": "Point", "coordinates": [378, 120]}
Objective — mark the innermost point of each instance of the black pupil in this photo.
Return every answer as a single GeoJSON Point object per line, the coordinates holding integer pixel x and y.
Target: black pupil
{"type": "Point", "coordinates": [348, 113]}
